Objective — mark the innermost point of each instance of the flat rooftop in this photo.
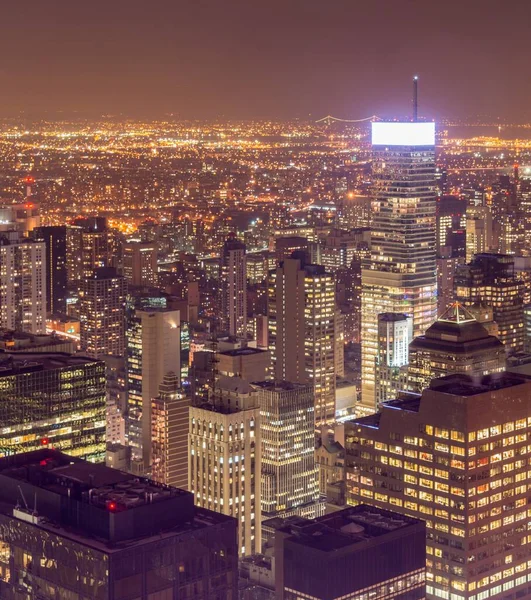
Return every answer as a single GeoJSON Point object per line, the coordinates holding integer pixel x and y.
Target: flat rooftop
{"type": "Point", "coordinates": [279, 386]}
{"type": "Point", "coordinates": [242, 351]}
{"type": "Point", "coordinates": [67, 476]}
{"type": "Point", "coordinates": [353, 525]}
{"type": "Point", "coordinates": [26, 362]}
{"type": "Point", "coordinates": [468, 385]}
{"type": "Point", "coordinates": [95, 505]}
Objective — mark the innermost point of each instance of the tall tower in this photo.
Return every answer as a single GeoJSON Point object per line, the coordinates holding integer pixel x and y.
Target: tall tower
{"type": "Point", "coordinates": [225, 458]}
{"type": "Point", "coordinates": [302, 330]}
{"type": "Point", "coordinates": [400, 276]}
{"type": "Point", "coordinates": [102, 302]}
{"type": "Point", "coordinates": [233, 278]}
{"type": "Point", "coordinates": [289, 482]}
{"type": "Point", "coordinates": [140, 262]}
{"type": "Point", "coordinates": [23, 285]}
{"type": "Point", "coordinates": [153, 350]}
{"type": "Point", "coordinates": [56, 273]}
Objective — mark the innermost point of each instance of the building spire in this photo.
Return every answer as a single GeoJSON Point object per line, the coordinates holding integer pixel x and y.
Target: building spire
{"type": "Point", "coordinates": [415, 98]}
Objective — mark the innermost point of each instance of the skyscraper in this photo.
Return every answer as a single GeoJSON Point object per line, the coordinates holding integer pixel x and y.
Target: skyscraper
{"type": "Point", "coordinates": [153, 351]}
{"type": "Point", "coordinates": [302, 337]}
{"type": "Point", "coordinates": [56, 273]}
{"type": "Point", "coordinates": [289, 479]}
{"type": "Point", "coordinates": [224, 458]}
{"type": "Point", "coordinates": [22, 285]}
{"type": "Point", "coordinates": [456, 457]}
{"type": "Point", "coordinates": [140, 263]}
{"type": "Point", "coordinates": [491, 279]}
{"type": "Point", "coordinates": [455, 343]}
{"type": "Point", "coordinates": [101, 311]}
{"type": "Point", "coordinates": [169, 433]}
{"type": "Point", "coordinates": [52, 399]}
{"type": "Point", "coordinates": [400, 276]}
{"type": "Point", "coordinates": [89, 248]}
{"type": "Point", "coordinates": [233, 284]}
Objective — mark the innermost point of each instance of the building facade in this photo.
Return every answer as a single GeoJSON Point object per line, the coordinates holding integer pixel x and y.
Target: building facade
{"type": "Point", "coordinates": [233, 284]}
{"type": "Point", "coordinates": [153, 351]}
{"type": "Point", "coordinates": [101, 311]}
{"type": "Point", "coordinates": [52, 400]}
{"type": "Point", "coordinates": [289, 482]}
{"type": "Point", "coordinates": [225, 458]}
{"type": "Point", "coordinates": [394, 335]}
{"type": "Point", "coordinates": [140, 263]}
{"type": "Point", "coordinates": [56, 273]}
{"type": "Point", "coordinates": [302, 336]}
{"type": "Point", "coordinates": [169, 433]}
{"type": "Point", "coordinates": [491, 279]}
{"type": "Point", "coordinates": [23, 285]}
{"type": "Point", "coordinates": [456, 457]}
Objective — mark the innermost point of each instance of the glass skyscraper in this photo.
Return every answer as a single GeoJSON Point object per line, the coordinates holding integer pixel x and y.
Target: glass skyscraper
{"type": "Point", "coordinates": [400, 276]}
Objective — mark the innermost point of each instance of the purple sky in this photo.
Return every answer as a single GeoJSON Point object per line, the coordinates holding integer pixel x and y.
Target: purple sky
{"type": "Point", "coordinates": [259, 58]}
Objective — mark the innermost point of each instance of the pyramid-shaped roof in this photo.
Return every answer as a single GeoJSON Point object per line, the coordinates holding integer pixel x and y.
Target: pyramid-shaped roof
{"type": "Point", "coordinates": [457, 313]}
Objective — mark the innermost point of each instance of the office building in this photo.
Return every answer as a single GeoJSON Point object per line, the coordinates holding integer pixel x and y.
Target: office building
{"type": "Point", "coordinates": [302, 336]}
{"type": "Point", "coordinates": [22, 285]}
{"type": "Point", "coordinates": [289, 482]}
{"type": "Point", "coordinates": [73, 529]}
{"type": "Point", "coordinates": [491, 279]}
{"type": "Point", "coordinates": [394, 336]}
{"type": "Point", "coordinates": [357, 553]}
{"type": "Point", "coordinates": [248, 363]}
{"type": "Point", "coordinates": [286, 246]}
{"type": "Point", "coordinates": [56, 273]}
{"type": "Point", "coordinates": [101, 311]}
{"type": "Point", "coordinates": [479, 235]}
{"type": "Point", "coordinates": [140, 263]}
{"type": "Point", "coordinates": [52, 399]}
{"type": "Point", "coordinates": [400, 276]}
{"type": "Point", "coordinates": [233, 287]}
{"type": "Point", "coordinates": [224, 458]}
{"type": "Point", "coordinates": [341, 247]}
{"type": "Point", "coordinates": [455, 343]}
{"type": "Point", "coordinates": [456, 457]}
{"type": "Point", "coordinates": [89, 247]}
{"type": "Point", "coordinates": [153, 351]}
{"type": "Point", "coordinates": [169, 433]}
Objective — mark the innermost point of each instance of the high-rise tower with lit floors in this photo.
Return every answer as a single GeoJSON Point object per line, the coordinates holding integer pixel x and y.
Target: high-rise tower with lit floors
{"type": "Point", "coordinates": [400, 276]}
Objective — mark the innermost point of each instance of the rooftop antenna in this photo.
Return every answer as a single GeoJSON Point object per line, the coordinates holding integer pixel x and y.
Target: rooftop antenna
{"type": "Point", "coordinates": [23, 498]}
{"type": "Point", "coordinates": [415, 98]}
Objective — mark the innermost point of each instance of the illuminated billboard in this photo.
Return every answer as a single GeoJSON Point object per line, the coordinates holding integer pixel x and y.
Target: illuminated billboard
{"type": "Point", "coordinates": [403, 134]}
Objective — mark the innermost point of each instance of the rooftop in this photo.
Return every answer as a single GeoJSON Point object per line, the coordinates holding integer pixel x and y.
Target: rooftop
{"type": "Point", "coordinates": [93, 504]}
{"type": "Point", "coordinates": [279, 386]}
{"type": "Point", "coordinates": [353, 525]}
{"type": "Point", "coordinates": [246, 351]}
{"type": "Point", "coordinates": [467, 385]}
{"type": "Point", "coordinates": [27, 362]}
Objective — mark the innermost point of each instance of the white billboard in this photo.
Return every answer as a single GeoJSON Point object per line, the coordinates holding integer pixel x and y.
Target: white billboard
{"type": "Point", "coordinates": [403, 134]}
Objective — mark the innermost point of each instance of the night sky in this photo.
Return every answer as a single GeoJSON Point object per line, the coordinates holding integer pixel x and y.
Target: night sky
{"type": "Point", "coordinates": [278, 59]}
